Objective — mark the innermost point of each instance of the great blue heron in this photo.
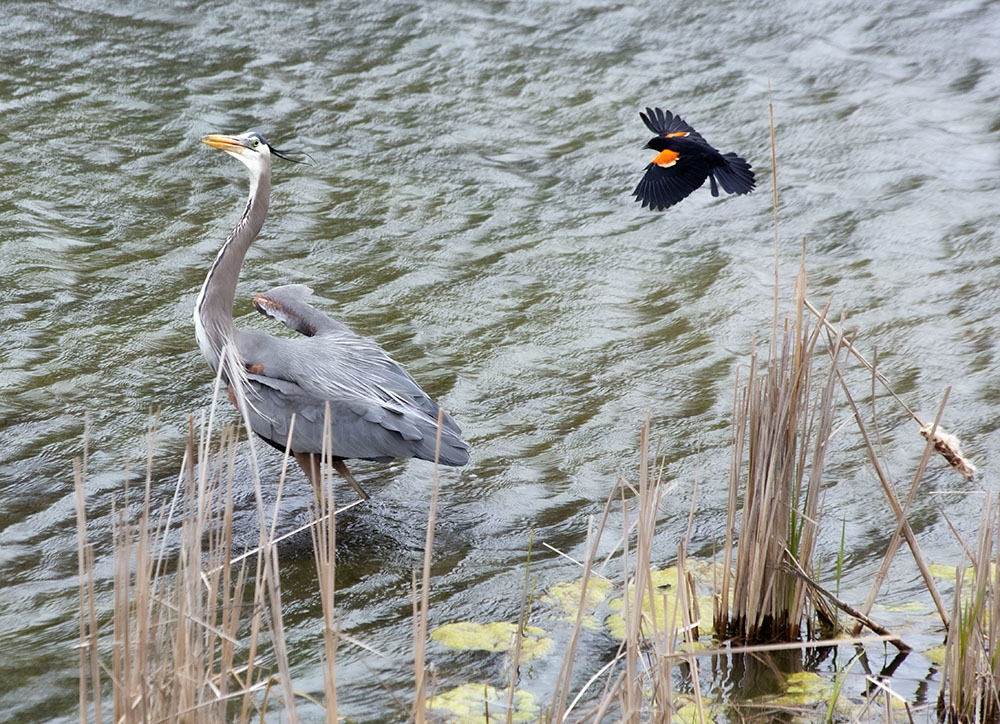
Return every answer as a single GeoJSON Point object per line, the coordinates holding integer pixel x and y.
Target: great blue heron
{"type": "Point", "coordinates": [376, 409]}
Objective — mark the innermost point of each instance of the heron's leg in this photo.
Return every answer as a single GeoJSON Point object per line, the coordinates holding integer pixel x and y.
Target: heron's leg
{"type": "Point", "coordinates": [341, 468]}
{"type": "Point", "coordinates": [309, 462]}
{"type": "Point", "coordinates": [310, 466]}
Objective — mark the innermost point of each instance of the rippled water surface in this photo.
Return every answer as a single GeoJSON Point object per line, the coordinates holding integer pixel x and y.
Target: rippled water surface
{"type": "Point", "coordinates": [468, 207]}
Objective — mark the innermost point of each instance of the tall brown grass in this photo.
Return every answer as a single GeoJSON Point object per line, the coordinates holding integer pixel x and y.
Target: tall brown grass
{"type": "Point", "coordinates": [187, 624]}
{"type": "Point", "coordinates": [636, 684]}
{"type": "Point", "coordinates": [970, 678]}
{"type": "Point", "coordinates": [196, 630]}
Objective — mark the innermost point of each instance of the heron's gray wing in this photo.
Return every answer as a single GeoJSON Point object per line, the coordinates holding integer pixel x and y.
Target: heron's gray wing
{"type": "Point", "coordinates": [358, 429]}
{"type": "Point", "coordinates": [377, 410]}
{"type": "Point", "coordinates": [288, 305]}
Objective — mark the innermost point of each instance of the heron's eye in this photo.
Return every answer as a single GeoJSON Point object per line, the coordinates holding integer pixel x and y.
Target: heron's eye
{"type": "Point", "coordinates": [256, 142]}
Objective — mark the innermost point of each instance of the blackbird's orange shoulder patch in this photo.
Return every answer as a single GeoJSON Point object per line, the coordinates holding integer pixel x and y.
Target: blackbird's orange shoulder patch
{"type": "Point", "coordinates": [666, 157]}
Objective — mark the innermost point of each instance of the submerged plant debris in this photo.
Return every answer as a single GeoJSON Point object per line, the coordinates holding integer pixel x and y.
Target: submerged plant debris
{"type": "Point", "coordinates": [661, 613]}
{"type": "Point", "coordinates": [811, 694]}
{"type": "Point", "coordinates": [686, 710]}
{"type": "Point", "coordinates": [495, 636]}
{"type": "Point", "coordinates": [564, 599]}
{"type": "Point", "coordinates": [949, 573]}
{"type": "Point", "coordinates": [482, 704]}
{"type": "Point", "coordinates": [806, 688]}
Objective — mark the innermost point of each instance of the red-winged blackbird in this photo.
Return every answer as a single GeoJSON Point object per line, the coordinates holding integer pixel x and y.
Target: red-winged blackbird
{"type": "Point", "coordinates": [684, 161]}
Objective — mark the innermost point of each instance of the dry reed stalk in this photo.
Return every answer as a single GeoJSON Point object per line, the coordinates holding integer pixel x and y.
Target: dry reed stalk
{"type": "Point", "coordinates": [741, 415]}
{"type": "Point", "coordinates": [522, 620]}
{"type": "Point", "coordinates": [558, 710]}
{"type": "Point", "coordinates": [420, 607]}
{"type": "Point", "coordinates": [897, 509]}
{"type": "Point", "coordinates": [267, 578]}
{"type": "Point", "coordinates": [556, 713]}
{"type": "Point", "coordinates": [685, 596]}
{"type": "Point", "coordinates": [946, 444]}
{"type": "Point", "coordinates": [774, 209]}
{"type": "Point", "coordinates": [780, 505]}
{"type": "Point", "coordinates": [786, 646]}
{"type": "Point", "coordinates": [902, 523]}
{"type": "Point", "coordinates": [642, 689]}
{"type": "Point", "coordinates": [90, 667]}
{"type": "Point", "coordinates": [845, 607]}
{"type": "Point", "coordinates": [646, 686]}
{"type": "Point", "coordinates": [324, 539]}
{"type": "Point", "coordinates": [970, 679]}
{"type": "Point", "coordinates": [633, 615]}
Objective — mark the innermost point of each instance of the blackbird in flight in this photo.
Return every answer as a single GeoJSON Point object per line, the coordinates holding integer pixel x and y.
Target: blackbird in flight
{"type": "Point", "coordinates": [684, 161]}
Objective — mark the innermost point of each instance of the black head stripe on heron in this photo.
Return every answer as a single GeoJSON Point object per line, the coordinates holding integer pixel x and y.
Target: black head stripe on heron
{"type": "Point", "coordinates": [683, 162]}
{"type": "Point", "coordinates": [329, 379]}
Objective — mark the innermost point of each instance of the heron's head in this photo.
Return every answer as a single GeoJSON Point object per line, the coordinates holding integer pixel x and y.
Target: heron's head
{"type": "Point", "coordinates": [251, 148]}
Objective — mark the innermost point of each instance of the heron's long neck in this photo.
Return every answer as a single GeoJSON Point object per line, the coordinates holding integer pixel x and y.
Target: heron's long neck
{"type": "Point", "coordinates": [213, 315]}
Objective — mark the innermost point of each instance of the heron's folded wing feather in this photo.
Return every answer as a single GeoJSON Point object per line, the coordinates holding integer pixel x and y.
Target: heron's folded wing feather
{"type": "Point", "coordinates": [377, 410]}
{"type": "Point", "coordinates": [335, 361]}
{"type": "Point", "coordinates": [350, 366]}
{"type": "Point", "coordinates": [368, 432]}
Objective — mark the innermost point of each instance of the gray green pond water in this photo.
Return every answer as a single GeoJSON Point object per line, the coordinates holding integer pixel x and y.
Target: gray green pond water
{"type": "Point", "coordinates": [468, 207]}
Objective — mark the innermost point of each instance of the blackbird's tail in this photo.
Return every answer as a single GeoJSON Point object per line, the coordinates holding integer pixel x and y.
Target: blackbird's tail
{"type": "Point", "coordinates": [735, 175]}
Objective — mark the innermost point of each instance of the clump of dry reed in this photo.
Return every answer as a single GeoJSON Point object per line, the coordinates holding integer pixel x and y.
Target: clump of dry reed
{"type": "Point", "coordinates": [785, 426]}
{"type": "Point", "coordinates": [188, 641]}
{"type": "Point", "coordinates": [970, 678]}
{"type": "Point", "coordinates": [196, 627]}
{"type": "Point", "coordinates": [782, 424]}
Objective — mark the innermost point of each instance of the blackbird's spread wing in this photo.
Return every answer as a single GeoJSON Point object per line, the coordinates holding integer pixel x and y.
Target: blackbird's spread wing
{"type": "Point", "coordinates": [664, 123]}
{"type": "Point", "coordinates": [664, 186]}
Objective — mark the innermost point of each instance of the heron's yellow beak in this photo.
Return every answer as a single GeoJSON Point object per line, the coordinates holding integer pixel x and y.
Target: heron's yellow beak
{"type": "Point", "coordinates": [225, 143]}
